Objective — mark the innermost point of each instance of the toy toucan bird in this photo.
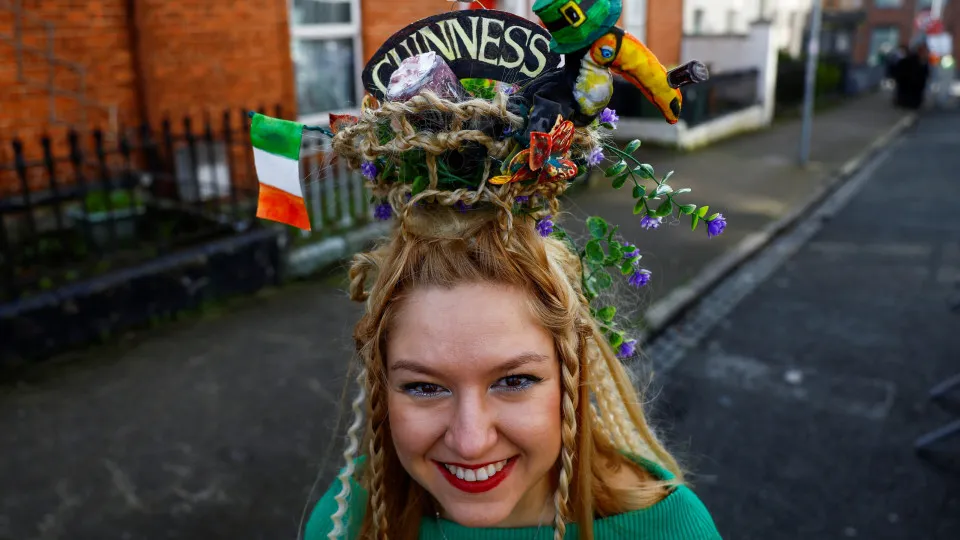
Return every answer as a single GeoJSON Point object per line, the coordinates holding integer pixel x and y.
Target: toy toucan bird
{"type": "Point", "coordinates": [595, 50]}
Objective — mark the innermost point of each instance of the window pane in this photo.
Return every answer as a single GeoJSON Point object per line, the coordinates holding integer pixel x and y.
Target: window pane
{"type": "Point", "coordinates": [325, 79]}
{"type": "Point", "coordinates": [320, 12]}
{"type": "Point", "coordinates": [882, 42]}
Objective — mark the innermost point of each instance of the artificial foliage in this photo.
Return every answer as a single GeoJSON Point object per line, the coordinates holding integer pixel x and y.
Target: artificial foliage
{"type": "Point", "coordinates": [603, 257]}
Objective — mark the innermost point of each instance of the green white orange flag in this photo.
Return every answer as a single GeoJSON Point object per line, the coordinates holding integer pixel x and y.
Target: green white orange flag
{"type": "Point", "coordinates": [276, 155]}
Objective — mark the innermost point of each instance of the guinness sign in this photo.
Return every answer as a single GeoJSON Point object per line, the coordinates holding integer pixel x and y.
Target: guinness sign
{"type": "Point", "coordinates": [482, 44]}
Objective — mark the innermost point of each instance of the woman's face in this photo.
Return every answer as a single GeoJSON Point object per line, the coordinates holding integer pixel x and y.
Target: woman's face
{"type": "Point", "coordinates": [474, 402]}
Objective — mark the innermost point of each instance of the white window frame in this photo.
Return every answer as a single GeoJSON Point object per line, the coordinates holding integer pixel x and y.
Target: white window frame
{"type": "Point", "coordinates": [635, 18]}
{"type": "Point", "coordinates": [324, 32]}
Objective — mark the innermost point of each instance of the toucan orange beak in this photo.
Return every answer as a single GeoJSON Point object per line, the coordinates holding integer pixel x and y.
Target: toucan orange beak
{"type": "Point", "coordinates": [627, 56]}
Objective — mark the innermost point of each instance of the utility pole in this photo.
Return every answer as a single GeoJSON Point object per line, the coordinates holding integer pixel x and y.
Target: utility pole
{"type": "Point", "coordinates": [813, 52]}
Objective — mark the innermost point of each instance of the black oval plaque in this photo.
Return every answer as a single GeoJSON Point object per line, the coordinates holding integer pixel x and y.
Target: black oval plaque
{"type": "Point", "coordinates": [482, 44]}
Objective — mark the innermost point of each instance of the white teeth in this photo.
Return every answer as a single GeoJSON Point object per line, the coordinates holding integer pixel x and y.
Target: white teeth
{"type": "Point", "coordinates": [476, 475]}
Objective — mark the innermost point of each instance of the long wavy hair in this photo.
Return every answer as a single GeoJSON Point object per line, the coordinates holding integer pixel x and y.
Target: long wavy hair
{"type": "Point", "coordinates": [602, 416]}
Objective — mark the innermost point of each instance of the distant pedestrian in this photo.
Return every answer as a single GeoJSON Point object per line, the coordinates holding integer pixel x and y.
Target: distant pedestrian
{"type": "Point", "coordinates": [911, 75]}
{"type": "Point", "coordinates": [891, 60]}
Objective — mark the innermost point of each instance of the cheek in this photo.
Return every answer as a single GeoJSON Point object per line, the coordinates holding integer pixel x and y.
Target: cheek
{"type": "Point", "coordinates": [536, 427]}
{"type": "Point", "coordinates": [414, 429]}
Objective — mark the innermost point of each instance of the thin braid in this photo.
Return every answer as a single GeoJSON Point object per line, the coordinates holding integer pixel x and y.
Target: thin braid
{"type": "Point", "coordinates": [647, 440]}
{"type": "Point", "coordinates": [610, 409]}
{"type": "Point", "coordinates": [376, 428]}
{"type": "Point", "coordinates": [349, 455]}
{"type": "Point", "coordinates": [570, 373]}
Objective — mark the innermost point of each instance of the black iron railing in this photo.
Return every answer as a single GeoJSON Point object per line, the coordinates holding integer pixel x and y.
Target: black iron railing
{"type": "Point", "coordinates": [78, 205]}
{"type": "Point", "coordinates": [722, 94]}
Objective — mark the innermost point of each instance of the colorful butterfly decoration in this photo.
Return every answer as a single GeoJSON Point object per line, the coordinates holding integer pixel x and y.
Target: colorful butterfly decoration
{"type": "Point", "coordinates": [545, 160]}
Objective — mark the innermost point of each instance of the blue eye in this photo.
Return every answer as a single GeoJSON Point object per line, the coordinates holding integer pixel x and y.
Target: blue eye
{"type": "Point", "coordinates": [606, 52]}
{"type": "Point", "coordinates": [423, 389]}
{"type": "Point", "coordinates": [517, 383]}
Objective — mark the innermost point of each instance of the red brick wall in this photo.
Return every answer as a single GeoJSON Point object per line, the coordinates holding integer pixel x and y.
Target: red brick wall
{"type": "Point", "coordinates": [665, 30]}
{"type": "Point", "coordinates": [902, 18]}
{"type": "Point", "coordinates": [383, 18]}
{"type": "Point", "coordinates": [147, 58]}
{"type": "Point", "coordinates": [198, 55]}
{"type": "Point", "coordinates": [92, 34]}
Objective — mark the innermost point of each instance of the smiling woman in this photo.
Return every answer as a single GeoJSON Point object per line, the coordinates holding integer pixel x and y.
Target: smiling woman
{"type": "Point", "coordinates": [493, 404]}
{"type": "Point", "coordinates": [480, 360]}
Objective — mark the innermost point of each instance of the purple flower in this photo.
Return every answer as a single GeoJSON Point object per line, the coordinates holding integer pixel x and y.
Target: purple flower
{"type": "Point", "coordinates": [522, 199]}
{"type": "Point", "coordinates": [545, 226]}
{"type": "Point", "coordinates": [650, 222]}
{"type": "Point", "coordinates": [627, 348]}
{"type": "Point", "coordinates": [609, 116]}
{"type": "Point", "coordinates": [369, 170]}
{"type": "Point", "coordinates": [461, 206]}
{"type": "Point", "coordinates": [716, 226]}
{"type": "Point", "coordinates": [383, 212]}
{"type": "Point", "coordinates": [640, 278]}
{"type": "Point", "coordinates": [595, 157]}
{"type": "Point", "coordinates": [635, 252]}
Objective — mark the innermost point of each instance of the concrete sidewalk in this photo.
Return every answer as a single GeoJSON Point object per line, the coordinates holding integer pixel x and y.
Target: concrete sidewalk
{"type": "Point", "coordinates": [754, 180]}
{"type": "Point", "coordinates": [216, 427]}
{"type": "Point", "coordinates": [797, 388]}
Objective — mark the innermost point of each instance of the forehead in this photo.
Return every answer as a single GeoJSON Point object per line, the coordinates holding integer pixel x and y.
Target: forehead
{"type": "Point", "coordinates": [469, 324]}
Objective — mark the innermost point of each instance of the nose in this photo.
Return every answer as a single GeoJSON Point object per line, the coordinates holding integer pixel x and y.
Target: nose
{"type": "Point", "coordinates": [472, 431]}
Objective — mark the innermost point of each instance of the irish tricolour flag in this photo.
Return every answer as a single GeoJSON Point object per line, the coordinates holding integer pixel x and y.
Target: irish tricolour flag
{"type": "Point", "coordinates": [276, 154]}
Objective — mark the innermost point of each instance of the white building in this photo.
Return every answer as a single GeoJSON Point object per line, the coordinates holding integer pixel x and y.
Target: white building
{"type": "Point", "coordinates": [788, 17]}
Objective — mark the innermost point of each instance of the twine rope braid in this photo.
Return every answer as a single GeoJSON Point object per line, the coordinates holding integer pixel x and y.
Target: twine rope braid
{"type": "Point", "coordinates": [363, 142]}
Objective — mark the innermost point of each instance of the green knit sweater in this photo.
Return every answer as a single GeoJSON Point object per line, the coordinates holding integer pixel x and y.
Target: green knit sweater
{"type": "Point", "coordinates": [680, 516]}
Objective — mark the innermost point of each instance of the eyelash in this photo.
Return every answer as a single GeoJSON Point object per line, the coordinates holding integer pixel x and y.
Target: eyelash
{"type": "Point", "coordinates": [527, 381]}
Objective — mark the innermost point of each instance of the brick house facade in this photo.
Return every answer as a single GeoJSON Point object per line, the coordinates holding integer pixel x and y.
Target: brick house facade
{"type": "Point", "coordinates": [143, 59]}
{"type": "Point", "coordinates": [889, 23]}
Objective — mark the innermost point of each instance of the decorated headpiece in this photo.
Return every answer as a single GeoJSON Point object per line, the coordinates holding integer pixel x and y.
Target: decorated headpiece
{"type": "Point", "coordinates": [472, 110]}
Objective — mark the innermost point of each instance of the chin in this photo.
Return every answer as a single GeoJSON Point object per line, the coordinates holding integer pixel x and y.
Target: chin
{"type": "Point", "coordinates": [478, 514]}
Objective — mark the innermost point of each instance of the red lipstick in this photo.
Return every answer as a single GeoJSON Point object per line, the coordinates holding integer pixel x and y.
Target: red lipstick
{"type": "Point", "coordinates": [479, 486]}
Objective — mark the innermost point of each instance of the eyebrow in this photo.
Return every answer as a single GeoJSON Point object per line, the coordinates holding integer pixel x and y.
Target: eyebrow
{"type": "Point", "coordinates": [514, 363]}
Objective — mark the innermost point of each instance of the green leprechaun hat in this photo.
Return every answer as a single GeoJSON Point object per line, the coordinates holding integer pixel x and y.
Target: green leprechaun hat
{"type": "Point", "coordinates": [576, 24]}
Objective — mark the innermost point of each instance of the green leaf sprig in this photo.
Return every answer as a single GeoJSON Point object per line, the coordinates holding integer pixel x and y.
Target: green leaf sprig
{"type": "Point", "coordinates": [630, 168]}
{"type": "Point", "coordinates": [600, 258]}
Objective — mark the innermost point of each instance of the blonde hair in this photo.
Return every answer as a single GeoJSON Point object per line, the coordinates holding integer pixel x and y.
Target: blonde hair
{"type": "Point", "coordinates": [434, 245]}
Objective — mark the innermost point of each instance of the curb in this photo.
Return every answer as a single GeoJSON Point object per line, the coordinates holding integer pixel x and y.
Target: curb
{"type": "Point", "coordinates": [669, 309]}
